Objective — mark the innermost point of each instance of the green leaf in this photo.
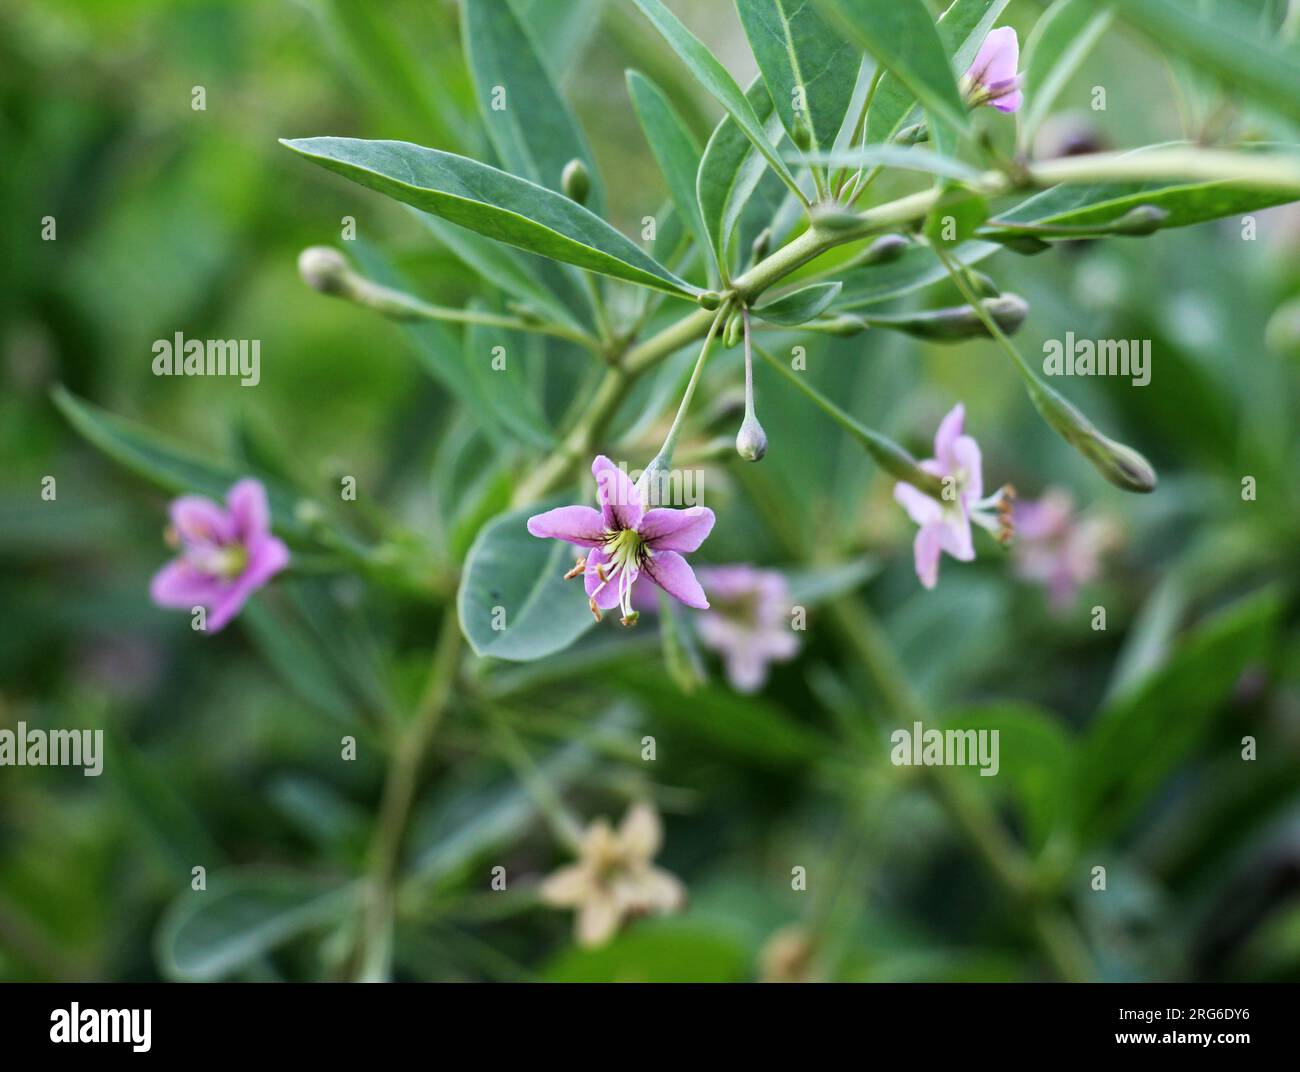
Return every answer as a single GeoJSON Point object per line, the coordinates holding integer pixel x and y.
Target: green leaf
{"type": "Point", "coordinates": [714, 77]}
{"type": "Point", "coordinates": [903, 39]}
{"type": "Point", "coordinates": [495, 360]}
{"type": "Point", "coordinates": [532, 127]}
{"type": "Point", "coordinates": [799, 306]}
{"type": "Point", "coordinates": [1061, 40]}
{"type": "Point", "coordinates": [1133, 745]}
{"type": "Point", "coordinates": [821, 584]}
{"type": "Point", "coordinates": [169, 465]}
{"type": "Point", "coordinates": [904, 158]}
{"type": "Point", "coordinates": [800, 56]}
{"type": "Point", "coordinates": [730, 170]}
{"type": "Point", "coordinates": [1035, 761]}
{"type": "Point", "coordinates": [1220, 40]}
{"type": "Point", "coordinates": [243, 915]}
{"type": "Point", "coordinates": [515, 272]}
{"type": "Point", "coordinates": [514, 580]}
{"type": "Point", "coordinates": [917, 267]}
{"type": "Point", "coordinates": [294, 655]}
{"type": "Point", "coordinates": [493, 203]}
{"type": "Point", "coordinates": [674, 150]}
{"type": "Point", "coordinates": [1185, 201]}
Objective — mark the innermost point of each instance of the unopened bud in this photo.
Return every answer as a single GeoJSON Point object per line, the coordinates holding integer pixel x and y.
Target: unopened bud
{"type": "Point", "coordinates": [1122, 466]}
{"type": "Point", "coordinates": [324, 268]}
{"type": "Point", "coordinates": [735, 329]}
{"type": "Point", "coordinates": [982, 284]}
{"type": "Point", "coordinates": [709, 299]}
{"type": "Point", "coordinates": [884, 250]}
{"type": "Point", "coordinates": [1025, 244]}
{"type": "Point", "coordinates": [575, 181]}
{"type": "Point", "coordinates": [751, 440]}
{"type": "Point", "coordinates": [1143, 220]}
{"type": "Point", "coordinates": [802, 134]}
{"type": "Point", "coordinates": [1008, 311]}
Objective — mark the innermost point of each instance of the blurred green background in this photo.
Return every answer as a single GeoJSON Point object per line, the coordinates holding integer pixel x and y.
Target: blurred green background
{"type": "Point", "coordinates": [224, 751]}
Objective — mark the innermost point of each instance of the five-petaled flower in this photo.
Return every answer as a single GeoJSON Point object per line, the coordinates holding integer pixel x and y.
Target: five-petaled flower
{"type": "Point", "coordinates": [614, 877]}
{"type": "Point", "coordinates": [945, 522]}
{"type": "Point", "coordinates": [226, 554]}
{"type": "Point", "coordinates": [748, 622]}
{"type": "Point", "coordinates": [1058, 549]}
{"type": "Point", "coordinates": [626, 541]}
{"type": "Point", "coordinates": [992, 78]}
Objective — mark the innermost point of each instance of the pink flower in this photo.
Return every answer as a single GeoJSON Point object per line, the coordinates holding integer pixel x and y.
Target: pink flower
{"type": "Point", "coordinates": [992, 78]}
{"type": "Point", "coordinates": [945, 525]}
{"type": "Point", "coordinates": [1057, 549]}
{"type": "Point", "coordinates": [226, 554]}
{"type": "Point", "coordinates": [627, 541]}
{"type": "Point", "coordinates": [747, 623]}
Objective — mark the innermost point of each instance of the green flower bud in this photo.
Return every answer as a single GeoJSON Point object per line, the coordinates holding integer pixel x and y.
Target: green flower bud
{"type": "Point", "coordinates": [1025, 244]}
{"type": "Point", "coordinates": [324, 268]}
{"type": "Point", "coordinates": [1122, 466]}
{"type": "Point", "coordinates": [751, 440]}
{"type": "Point", "coordinates": [734, 330]}
{"type": "Point", "coordinates": [1143, 220]}
{"type": "Point", "coordinates": [959, 321]}
{"type": "Point", "coordinates": [709, 299]}
{"type": "Point", "coordinates": [575, 181]}
{"type": "Point", "coordinates": [883, 250]}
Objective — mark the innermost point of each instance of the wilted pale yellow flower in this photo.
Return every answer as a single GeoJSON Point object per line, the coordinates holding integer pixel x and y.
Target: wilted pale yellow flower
{"type": "Point", "coordinates": [614, 877]}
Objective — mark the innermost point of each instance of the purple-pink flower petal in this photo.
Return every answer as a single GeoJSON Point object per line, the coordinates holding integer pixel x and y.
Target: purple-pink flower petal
{"type": "Point", "coordinates": [579, 525]}
{"type": "Point", "coordinates": [925, 551]}
{"type": "Point", "coordinates": [946, 437]}
{"type": "Point", "coordinates": [671, 573]}
{"type": "Point", "coordinates": [676, 530]}
{"type": "Point", "coordinates": [920, 507]}
{"type": "Point", "coordinates": [998, 57]}
{"type": "Point", "coordinates": [198, 519]}
{"type": "Point", "coordinates": [605, 592]}
{"type": "Point", "coordinates": [178, 584]}
{"type": "Point", "coordinates": [620, 499]}
{"type": "Point", "coordinates": [249, 509]}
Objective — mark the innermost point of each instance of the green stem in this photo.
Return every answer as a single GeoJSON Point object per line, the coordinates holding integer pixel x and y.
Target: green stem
{"type": "Point", "coordinates": [888, 454]}
{"type": "Point", "coordinates": [664, 459]}
{"type": "Point", "coordinates": [399, 792]}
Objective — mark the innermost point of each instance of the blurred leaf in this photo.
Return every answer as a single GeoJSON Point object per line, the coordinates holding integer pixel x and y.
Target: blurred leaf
{"type": "Point", "coordinates": [674, 150]}
{"type": "Point", "coordinates": [660, 951]}
{"type": "Point", "coordinates": [748, 727]}
{"type": "Point", "coordinates": [799, 306]}
{"type": "Point", "coordinates": [513, 578]}
{"type": "Point", "coordinates": [503, 389]}
{"type": "Point", "coordinates": [1061, 40]}
{"type": "Point", "coordinates": [730, 171]}
{"type": "Point", "coordinates": [1133, 745]}
{"type": "Point", "coordinates": [1185, 201]}
{"type": "Point", "coordinates": [797, 51]}
{"type": "Point", "coordinates": [904, 158]}
{"type": "Point", "coordinates": [1035, 761]}
{"type": "Point", "coordinates": [491, 202]}
{"type": "Point", "coordinates": [1219, 39]}
{"type": "Point", "coordinates": [211, 934]}
{"type": "Point", "coordinates": [714, 77]}
{"type": "Point", "coordinates": [168, 465]}
{"type": "Point", "coordinates": [532, 127]}
{"type": "Point", "coordinates": [809, 587]}
{"type": "Point", "coordinates": [917, 267]}
{"type": "Point", "coordinates": [294, 654]}
{"type": "Point", "coordinates": [903, 38]}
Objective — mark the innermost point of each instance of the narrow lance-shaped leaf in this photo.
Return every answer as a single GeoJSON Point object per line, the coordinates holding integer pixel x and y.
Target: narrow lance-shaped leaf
{"type": "Point", "coordinates": [1058, 45]}
{"type": "Point", "coordinates": [903, 39]}
{"type": "Point", "coordinates": [1221, 41]}
{"type": "Point", "coordinates": [674, 150]}
{"type": "Point", "coordinates": [810, 71]}
{"type": "Point", "coordinates": [495, 362]}
{"type": "Point", "coordinates": [730, 170]}
{"type": "Point", "coordinates": [714, 77]}
{"type": "Point", "coordinates": [493, 203]}
{"type": "Point", "coordinates": [532, 127]}
{"type": "Point", "coordinates": [1251, 181]}
{"type": "Point", "coordinates": [962, 28]}
{"type": "Point", "coordinates": [799, 306]}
